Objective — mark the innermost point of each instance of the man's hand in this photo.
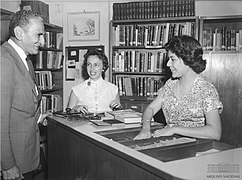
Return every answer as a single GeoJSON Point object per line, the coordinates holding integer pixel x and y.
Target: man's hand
{"type": "Point", "coordinates": [43, 119]}
{"type": "Point", "coordinates": [12, 173]}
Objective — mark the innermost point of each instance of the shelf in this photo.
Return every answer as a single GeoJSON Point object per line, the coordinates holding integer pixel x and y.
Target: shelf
{"type": "Point", "coordinates": [51, 90]}
{"type": "Point", "coordinates": [50, 49]}
{"type": "Point", "coordinates": [223, 52]}
{"type": "Point", "coordinates": [155, 20]}
{"type": "Point", "coordinates": [141, 73]}
{"type": "Point", "coordinates": [136, 98]}
{"type": "Point", "coordinates": [160, 48]}
{"type": "Point", "coordinates": [5, 14]}
{"type": "Point", "coordinates": [52, 70]}
{"type": "Point", "coordinates": [221, 17]}
{"type": "Point", "coordinates": [53, 27]}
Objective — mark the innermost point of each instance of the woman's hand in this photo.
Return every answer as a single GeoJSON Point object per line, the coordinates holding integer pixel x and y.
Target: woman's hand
{"type": "Point", "coordinates": [12, 173]}
{"type": "Point", "coordinates": [166, 131]}
{"type": "Point", "coordinates": [144, 134]}
{"type": "Point", "coordinates": [114, 105]}
{"type": "Point", "coordinates": [80, 108]}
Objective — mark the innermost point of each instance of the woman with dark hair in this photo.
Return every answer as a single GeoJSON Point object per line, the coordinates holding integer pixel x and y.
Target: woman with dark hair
{"type": "Point", "coordinates": [190, 104]}
{"type": "Point", "coordinates": [94, 52]}
{"type": "Point", "coordinates": [94, 95]}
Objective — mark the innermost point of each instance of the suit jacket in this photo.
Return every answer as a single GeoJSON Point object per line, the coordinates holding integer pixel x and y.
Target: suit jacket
{"type": "Point", "coordinates": [19, 113]}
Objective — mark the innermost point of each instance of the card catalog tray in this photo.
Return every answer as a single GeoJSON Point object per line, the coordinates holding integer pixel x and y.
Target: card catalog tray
{"type": "Point", "coordinates": [167, 152]}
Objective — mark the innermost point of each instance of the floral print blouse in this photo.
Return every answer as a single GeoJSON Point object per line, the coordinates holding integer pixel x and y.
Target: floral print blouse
{"type": "Point", "coordinates": [189, 110]}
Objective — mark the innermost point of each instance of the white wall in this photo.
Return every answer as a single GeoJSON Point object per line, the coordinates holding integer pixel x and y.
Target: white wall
{"type": "Point", "coordinates": [12, 6]}
{"type": "Point", "coordinates": [218, 8]}
{"type": "Point", "coordinates": [58, 15]}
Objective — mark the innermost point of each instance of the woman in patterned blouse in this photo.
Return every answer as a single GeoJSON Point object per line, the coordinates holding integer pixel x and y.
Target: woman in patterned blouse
{"type": "Point", "coordinates": [190, 104]}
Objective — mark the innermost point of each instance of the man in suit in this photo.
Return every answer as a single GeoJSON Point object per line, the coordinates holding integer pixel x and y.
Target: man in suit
{"type": "Point", "coordinates": [20, 97]}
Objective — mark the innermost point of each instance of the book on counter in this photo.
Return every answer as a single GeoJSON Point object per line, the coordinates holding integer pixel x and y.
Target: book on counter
{"type": "Point", "coordinates": [107, 122]}
{"type": "Point", "coordinates": [127, 116]}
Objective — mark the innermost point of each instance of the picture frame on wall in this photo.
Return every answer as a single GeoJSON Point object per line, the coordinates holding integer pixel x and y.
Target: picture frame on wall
{"type": "Point", "coordinates": [84, 26]}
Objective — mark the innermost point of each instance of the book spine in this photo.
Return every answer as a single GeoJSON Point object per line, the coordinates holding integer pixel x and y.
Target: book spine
{"type": "Point", "coordinates": [224, 38]}
{"type": "Point", "coordinates": [233, 40]}
{"type": "Point", "coordinates": [237, 41]}
{"type": "Point", "coordinates": [219, 41]}
{"type": "Point", "coordinates": [240, 39]}
{"type": "Point", "coordinates": [228, 40]}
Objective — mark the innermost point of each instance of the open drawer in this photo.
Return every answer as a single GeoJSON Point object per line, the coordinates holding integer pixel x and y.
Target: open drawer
{"type": "Point", "coordinates": [165, 148]}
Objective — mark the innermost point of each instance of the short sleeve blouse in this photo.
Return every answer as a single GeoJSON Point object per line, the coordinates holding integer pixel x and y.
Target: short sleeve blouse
{"type": "Point", "coordinates": [189, 110]}
{"type": "Point", "coordinates": [96, 95]}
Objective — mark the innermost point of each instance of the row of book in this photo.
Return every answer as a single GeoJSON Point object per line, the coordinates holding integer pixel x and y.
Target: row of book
{"type": "Point", "coordinates": [49, 60]}
{"type": "Point", "coordinates": [36, 6]}
{"type": "Point", "coordinates": [150, 35]}
{"type": "Point", "coordinates": [138, 61]}
{"type": "Point", "coordinates": [51, 102]}
{"type": "Point", "coordinates": [222, 39]}
{"type": "Point", "coordinates": [44, 79]}
{"type": "Point", "coordinates": [153, 9]}
{"type": "Point", "coordinates": [53, 40]}
{"type": "Point", "coordinates": [138, 86]}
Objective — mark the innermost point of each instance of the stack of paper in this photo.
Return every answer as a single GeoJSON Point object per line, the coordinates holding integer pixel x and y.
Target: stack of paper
{"type": "Point", "coordinates": [127, 116]}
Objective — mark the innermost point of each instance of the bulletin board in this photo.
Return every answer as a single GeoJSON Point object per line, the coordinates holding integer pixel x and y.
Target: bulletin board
{"type": "Point", "coordinates": [74, 61]}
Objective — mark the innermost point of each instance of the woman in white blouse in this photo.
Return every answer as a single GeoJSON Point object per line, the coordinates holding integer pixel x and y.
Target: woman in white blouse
{"type": "Point", "coordinates": [94, 95]}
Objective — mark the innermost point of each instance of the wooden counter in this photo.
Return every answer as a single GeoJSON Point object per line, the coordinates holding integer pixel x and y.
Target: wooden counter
{"type": "Point", "coordinates": [76, 151]}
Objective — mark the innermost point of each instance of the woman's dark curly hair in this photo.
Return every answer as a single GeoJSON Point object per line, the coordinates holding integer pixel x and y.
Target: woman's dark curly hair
{"type": "Point", "coordinates": [189, 50]}
{"type": "Point", "coordinates": [100, 54]}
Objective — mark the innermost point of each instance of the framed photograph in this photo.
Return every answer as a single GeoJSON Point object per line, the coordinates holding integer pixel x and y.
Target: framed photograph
{"type": "Point", "coordinates": [83, 26]}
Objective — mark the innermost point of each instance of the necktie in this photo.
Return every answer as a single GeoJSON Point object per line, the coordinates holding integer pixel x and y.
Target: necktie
{"type": "Point", "coordinates": [32, 74]}
{"type": "Point", "coordinates": [31, 68]}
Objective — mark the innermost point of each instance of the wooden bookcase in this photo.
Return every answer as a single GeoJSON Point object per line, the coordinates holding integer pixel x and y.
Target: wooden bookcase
{"type": "Point", "coordinates": [138, 59]}
{"type": "Point", "coordinates": [48, 65]}
{"type": "Point", "coordinates": [224, 67]}
{"type": "Point", "coordinates": [221, 33]}
{"type": "Point", "coordinates": [5, 19]}
{"type": "Point", "coordinates": [52, 50]}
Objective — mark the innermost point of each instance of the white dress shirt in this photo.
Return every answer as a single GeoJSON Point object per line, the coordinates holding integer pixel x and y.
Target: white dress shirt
{"type": "Point", "coordinates": [96, 95]}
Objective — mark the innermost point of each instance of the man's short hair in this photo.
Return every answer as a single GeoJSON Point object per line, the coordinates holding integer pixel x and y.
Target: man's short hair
{"type": "Point", "coordinates": [21, 18]}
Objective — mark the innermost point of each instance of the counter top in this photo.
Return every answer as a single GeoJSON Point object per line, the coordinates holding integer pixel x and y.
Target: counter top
{"type": "Point", "coordinates": [214, 165]}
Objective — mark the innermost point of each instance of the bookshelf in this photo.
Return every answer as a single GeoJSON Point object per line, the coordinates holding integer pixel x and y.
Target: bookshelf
{"type": "Point", "coordinates": [137, 57]}
{"type": "Point", "coordinates": [221, 33]}
{"type": "Point", "coordinates": [223, 51]}
{"type": "Point", "coordinates": [5, 19]}
{"type": "Point", "coordinates": [48, 64]}
{"type": "Point", "coordinates": [153, 9]}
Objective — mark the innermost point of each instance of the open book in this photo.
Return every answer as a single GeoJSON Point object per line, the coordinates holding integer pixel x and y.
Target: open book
{"type": "Point", "coordinates": [127, 116]}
